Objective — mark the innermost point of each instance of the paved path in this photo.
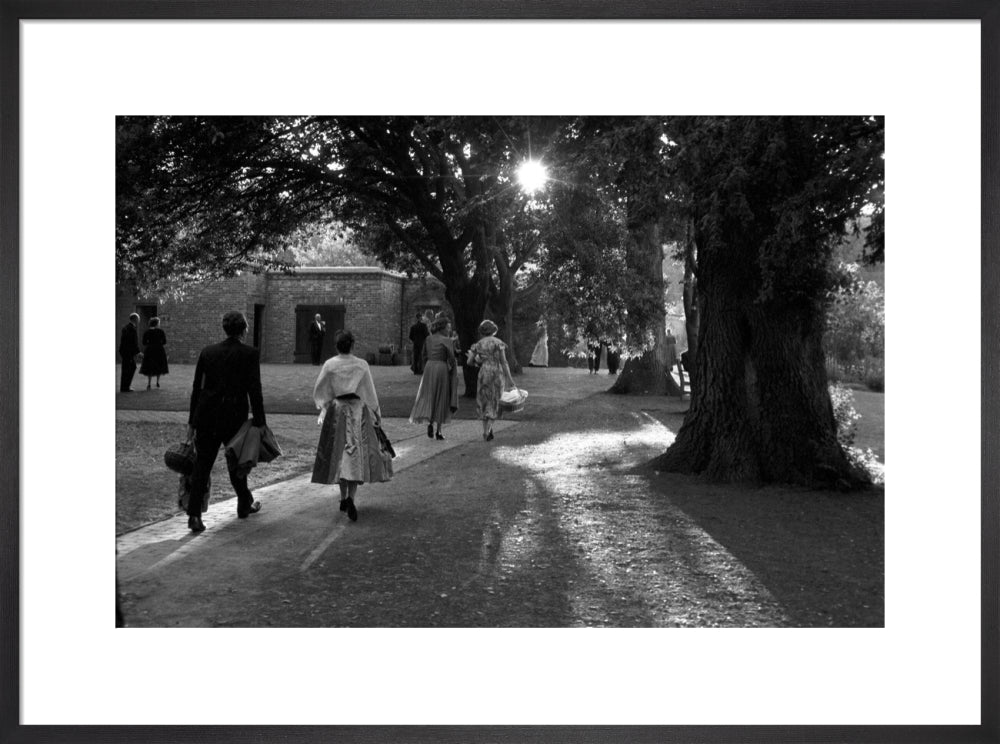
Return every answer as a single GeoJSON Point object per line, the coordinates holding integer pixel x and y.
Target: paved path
{"type": "Point", "coordinates": [152, 553]}
{"type": "Point", "coordinates": [411, 448]}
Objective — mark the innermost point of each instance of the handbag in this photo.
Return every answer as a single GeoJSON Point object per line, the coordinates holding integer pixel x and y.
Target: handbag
{"type": "Point", "coordinates": [512, 401]}
{"type": "Point", "coordinates": [180, 458]}
{"type": "Point", "coordinates": [137, 359]}
{"type": "Point", "coordinates": [383, 441]}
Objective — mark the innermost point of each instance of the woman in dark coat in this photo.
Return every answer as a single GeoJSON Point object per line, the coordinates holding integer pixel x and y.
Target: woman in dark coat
{"type": "Point", "coordinates": [154, 355]}
{"type": "Point", "coordinates": [437, 395]}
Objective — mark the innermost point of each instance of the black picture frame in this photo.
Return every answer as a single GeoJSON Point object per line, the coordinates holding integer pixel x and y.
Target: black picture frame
{"type": "Point", "coordinates": [14, 11]}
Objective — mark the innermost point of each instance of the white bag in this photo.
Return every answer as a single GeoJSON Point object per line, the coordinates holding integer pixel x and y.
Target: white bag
{"type": "Point", "coordinates": [513, 400]}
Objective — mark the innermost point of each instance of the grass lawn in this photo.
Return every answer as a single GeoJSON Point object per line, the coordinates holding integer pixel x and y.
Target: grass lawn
{"type": "Point", "coordinates": [146, 491]}
{"type": "Point", "coordinates": [871, 427]}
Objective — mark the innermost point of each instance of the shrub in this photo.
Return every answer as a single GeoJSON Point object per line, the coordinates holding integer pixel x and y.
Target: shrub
{"type": "Point", "coordinates": [855, 334]}
{"type": "Point", "coordinates": [873, 374]}
{"type": "Point", "coordinates": [847, 419]}
{"type": "Point", "coordinates": [844, 414]}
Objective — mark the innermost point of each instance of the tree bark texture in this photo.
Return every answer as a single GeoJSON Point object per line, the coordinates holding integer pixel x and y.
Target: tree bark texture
{"type": "Point", "coordinates": [468, 299]}
{"type": "Point", "coordinates": [760, 410]}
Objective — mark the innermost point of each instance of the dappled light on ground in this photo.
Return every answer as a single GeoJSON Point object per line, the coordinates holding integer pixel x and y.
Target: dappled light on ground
{"type": "Point", "coordinates": [558, 522]}
{"type": "Point", "coordinates": [642, 560]}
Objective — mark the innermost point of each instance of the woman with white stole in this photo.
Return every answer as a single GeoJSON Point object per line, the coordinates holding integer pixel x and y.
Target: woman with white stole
{"type": "Point", "coordinates": [349, 451]}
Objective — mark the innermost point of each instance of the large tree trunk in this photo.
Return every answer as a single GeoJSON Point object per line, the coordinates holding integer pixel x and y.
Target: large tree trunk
{"type": "Point", "coordinates": [502, 308]}
{"type": "Point", "coordinates": [647, 375]}
{"type": "Point", "coordinates": [468, 300]}
{"type": "Point", "coordinates": [760, 411]}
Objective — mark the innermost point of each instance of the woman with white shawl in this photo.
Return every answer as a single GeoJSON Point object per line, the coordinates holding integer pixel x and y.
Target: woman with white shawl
{"type": "Point", "coordinates": [349, 451]}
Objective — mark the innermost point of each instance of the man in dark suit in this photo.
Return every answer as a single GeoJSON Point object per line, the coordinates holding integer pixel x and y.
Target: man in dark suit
{"type": "Point", "coordinates": [128, 347]}
{"type": "Point", "coordinates": [226, 388]}
{"type": "Point", "coordinates": [317, 331]}
{"type": "Point", "coordinates": [418, 335]}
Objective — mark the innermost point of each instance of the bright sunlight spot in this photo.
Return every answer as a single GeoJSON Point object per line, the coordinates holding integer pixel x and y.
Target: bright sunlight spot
{"type": "Point", "coordinates": [532, 176]}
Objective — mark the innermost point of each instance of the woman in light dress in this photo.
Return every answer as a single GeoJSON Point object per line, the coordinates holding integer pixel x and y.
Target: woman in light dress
{"type": "Point", "coordinates": [437, 396]}
{"type": "Point", "coordinates": [540, 356]}
{"type": "Point", "coordinates": [349, 452]}
{"type": "Point", "coordinates": [489, 353]}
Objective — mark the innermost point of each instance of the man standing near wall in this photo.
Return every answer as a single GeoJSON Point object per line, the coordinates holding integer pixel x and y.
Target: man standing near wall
{"type": "Point", "coordinates": [317, 331]}
{"type": "Point", "coordinates": [418, 334]}
{"type": "Point", "coordinates": [128, 347]}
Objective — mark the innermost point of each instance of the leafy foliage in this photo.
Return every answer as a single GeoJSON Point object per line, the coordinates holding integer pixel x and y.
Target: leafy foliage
{"type": "Point", "coordinates": [847, 417]}
{"type": "Point", "coordinates": [325, 244]}
{"type": "Point", "coordinates": [604, 275]}
{"type": "Point", "coordinates": [210, 196]}
{"type": "Point", "coordinates": [785, 186]}
{"type": "Point", "coordinates": [854, 340]}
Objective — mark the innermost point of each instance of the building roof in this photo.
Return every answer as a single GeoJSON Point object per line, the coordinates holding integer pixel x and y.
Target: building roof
{"type": "Point", "coordinates": [344, 270]}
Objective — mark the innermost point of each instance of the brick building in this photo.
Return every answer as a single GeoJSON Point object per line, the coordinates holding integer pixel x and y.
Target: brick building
{"type": "Point", "coordinates": [376, 304]}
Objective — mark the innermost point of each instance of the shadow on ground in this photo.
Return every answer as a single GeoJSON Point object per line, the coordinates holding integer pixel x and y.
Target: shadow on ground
{"type": "Point", "coordinates": [557, 523]}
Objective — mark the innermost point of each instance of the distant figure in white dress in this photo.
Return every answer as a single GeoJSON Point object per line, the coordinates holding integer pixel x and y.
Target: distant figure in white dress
{"type": "Point", "coordinates": [540, 356]}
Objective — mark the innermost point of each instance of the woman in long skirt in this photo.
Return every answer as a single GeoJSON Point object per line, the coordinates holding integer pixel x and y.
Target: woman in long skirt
{"type": "Point", "coordinates": [437, 396]}
{"type": "Point", "coordinates": [349, 451]}
{"type": "Point", "coordinates": [489, 353]}
{"type": "Point", "coordinates": [154, 356]}
{"type": "Point", "coordinates": [540, 355]}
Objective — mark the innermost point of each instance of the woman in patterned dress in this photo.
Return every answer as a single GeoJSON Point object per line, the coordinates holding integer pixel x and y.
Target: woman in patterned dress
{"type": "Point", "coordinates": [435, 402]}
{"type": "Point", "coordinates": [489, 353]}
{"type": "Point", "coordinates": [349, 452]}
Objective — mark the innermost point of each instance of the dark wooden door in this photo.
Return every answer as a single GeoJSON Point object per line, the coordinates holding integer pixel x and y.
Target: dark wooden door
{"type": "Point", "coordinates": [258, 325]}
{"type": "Point", "coordinates": [145, 313]}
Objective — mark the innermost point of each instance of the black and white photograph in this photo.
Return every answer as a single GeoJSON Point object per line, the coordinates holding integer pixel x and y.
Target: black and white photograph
{"type": "Point", "coordinates": [560, 373]}
{"type": "Point", "coordinates": [652, 371]}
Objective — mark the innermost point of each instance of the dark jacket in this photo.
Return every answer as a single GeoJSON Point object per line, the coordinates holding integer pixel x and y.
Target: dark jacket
{"type": "Point", "coordinates": [226, 387]}
{"type": "Point", "coordinates": [128, 347]}
{"type": "Point", "coordinates": [419, 333]}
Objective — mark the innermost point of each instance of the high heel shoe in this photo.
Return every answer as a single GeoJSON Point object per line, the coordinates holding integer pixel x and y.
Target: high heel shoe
{"type": "Point", "coordinates": [439, 436]}
{"type": "Point", "coordinates": [352, 511]}
{"type": "Point", "coordinates": [430, 431]}
{"type": "Point", "coordinates": [489, 437]}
